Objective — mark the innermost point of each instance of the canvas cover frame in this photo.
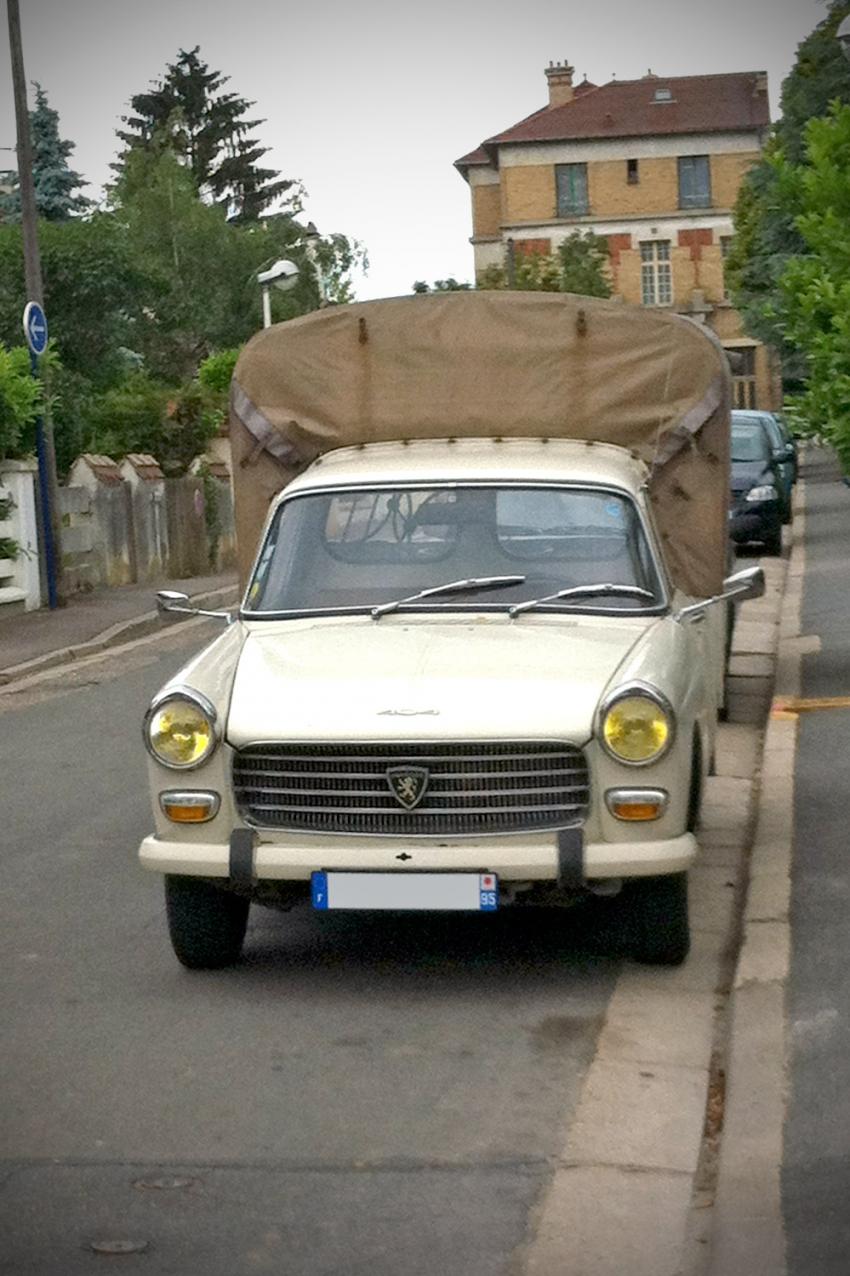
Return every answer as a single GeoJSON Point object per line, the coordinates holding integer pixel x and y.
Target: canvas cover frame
{"type": "Point", "coordinates": [495, 364]}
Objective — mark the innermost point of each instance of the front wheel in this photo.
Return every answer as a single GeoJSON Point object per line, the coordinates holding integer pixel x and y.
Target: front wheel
{"type": "Point", "coordinates": [206, 923]}
{"type": "Point", "coordinates": [658, 923]}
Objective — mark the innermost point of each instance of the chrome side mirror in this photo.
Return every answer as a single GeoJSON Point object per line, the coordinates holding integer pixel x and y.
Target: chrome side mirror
{"type": "Point", "coordinates": [170, 603]}
{"type": "Point", "coordinates": [748, 583]}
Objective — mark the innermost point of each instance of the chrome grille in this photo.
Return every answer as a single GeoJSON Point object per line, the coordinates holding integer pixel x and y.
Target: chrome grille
{"type": "Point", "coordinates": [473, 788]}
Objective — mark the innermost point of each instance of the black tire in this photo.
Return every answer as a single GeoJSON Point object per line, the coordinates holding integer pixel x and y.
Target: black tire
{"type": "Point", "coordinates": [773, 544]}
{"type": "Point", "coordinates": [206, 923]}
{"type": "Point", "coordinates": [660, 928]}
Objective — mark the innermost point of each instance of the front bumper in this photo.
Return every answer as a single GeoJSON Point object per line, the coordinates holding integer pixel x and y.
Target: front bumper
{"type": "Point", "coordinates": [515, 859]}
{"type": "Point", "coordinates": [757, 521]}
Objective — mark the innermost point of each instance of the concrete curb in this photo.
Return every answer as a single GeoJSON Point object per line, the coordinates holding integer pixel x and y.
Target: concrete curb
{"type": "Point", "coordinates": [631, 1189]}
{"type": "Point", "coordinates": [747, 1233]}
{"type": "Point", "coordinates": [114, 636]}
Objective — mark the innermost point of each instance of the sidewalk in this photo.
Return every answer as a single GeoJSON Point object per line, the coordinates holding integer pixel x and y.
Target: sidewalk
{"type": "Point", "coordinates": [35, 640]}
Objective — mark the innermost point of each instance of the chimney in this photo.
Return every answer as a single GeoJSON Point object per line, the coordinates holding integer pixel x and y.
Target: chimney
{"type": "Point", "coordinates": [559, 76]}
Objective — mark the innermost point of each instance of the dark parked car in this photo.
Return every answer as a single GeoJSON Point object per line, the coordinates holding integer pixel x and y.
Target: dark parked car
{"type": "Point", "coordinates": [782, 452]}
{"type": "Point", "coordinates": [790, 441]}
{"type": "Point", "coordinates": [755, 513]}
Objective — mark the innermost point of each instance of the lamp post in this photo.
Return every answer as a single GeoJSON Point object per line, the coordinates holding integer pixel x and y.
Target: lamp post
{"type": "Point", "coordinates": [283, 275]}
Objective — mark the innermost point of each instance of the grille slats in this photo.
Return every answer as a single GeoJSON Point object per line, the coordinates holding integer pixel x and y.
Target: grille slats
{"type": "Point", "coordinates": [472, 789]}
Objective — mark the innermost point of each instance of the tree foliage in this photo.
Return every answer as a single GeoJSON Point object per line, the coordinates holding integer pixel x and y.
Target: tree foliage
{"type": "Point", "coordinates": [20, 398]}
{"type": "Point", "coordinates": [57, 186]}
{"type": "Point", "coordinates": [188, 114]}
{"type": "Point", "coordinates": [578, 265]}
{"type": "Point", "coordinates": [766, 236]}
{"type": "Point", "coordinates": [812, 308]}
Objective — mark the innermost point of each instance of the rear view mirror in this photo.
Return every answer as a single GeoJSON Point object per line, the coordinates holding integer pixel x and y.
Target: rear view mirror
{"type": "Point", "coordinates": [748, 583]}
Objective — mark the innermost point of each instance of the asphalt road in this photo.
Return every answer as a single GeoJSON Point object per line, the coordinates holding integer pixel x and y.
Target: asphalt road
{"type": "Point", "coordinates": [360, 1095]}
{"type": "Point", "coordinates": [816, 1173]}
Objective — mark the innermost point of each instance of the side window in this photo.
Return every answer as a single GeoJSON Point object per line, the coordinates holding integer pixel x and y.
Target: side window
{"type": "Point", "coordinates": [694, 181]}
{"type": "Point", "coordinates": [571, 187]}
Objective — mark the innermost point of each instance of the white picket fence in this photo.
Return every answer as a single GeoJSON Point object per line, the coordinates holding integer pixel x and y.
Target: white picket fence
{"type": "Point", "coordinates": [19, 581]}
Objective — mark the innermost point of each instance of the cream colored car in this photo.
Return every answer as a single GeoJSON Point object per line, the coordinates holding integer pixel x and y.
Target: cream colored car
{"type": "Point", "coordinates": [459, 679]}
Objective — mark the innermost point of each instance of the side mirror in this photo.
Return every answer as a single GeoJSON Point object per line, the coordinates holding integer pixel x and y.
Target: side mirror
{"type": "Point", "coordinates": [171, 603]}
{"type": "Point", "coordinates": [748, 583]}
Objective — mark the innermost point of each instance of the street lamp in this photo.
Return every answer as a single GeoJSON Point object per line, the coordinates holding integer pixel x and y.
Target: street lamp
{"type": "Point", "coordinates": [842, 35]}
{"type": "Point", "coordinates": [284, 275]}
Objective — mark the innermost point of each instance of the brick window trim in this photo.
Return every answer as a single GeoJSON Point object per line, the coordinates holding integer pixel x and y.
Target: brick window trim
{"type": "Point", "coordinates": [696, 240]}
{"type": "Point", "coordinates": [618, 244]}
{"type": "Point", "coordinates": [532, 247]}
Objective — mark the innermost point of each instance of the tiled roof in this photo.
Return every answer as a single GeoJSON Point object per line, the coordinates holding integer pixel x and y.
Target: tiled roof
{"type": "Point", "coordinates": [630, 108]}
{"type": "Point", "coordinates": [103, 468]}
{"type": "Point", "coordinates": [147, 467]}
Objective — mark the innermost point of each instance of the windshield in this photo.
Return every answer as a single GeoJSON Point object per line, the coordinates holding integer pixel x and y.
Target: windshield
{"type": "Point", "coordinates": [361, 549]}
{"type": "Point", "coordinates": [750, 443]}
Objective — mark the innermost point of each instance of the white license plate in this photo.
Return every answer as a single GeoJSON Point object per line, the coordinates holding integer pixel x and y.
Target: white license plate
{"type": "Point", "coordinates": [431, 892]}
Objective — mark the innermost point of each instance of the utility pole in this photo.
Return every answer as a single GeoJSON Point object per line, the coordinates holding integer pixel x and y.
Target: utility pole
{"type": "Point", "coordinates": [34, 288]}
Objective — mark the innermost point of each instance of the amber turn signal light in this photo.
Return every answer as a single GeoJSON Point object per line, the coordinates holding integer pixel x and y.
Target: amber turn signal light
{"type": "Point", "coordinates": [635, 805]}
{"type": "Point", "coordinates": [189, 808]}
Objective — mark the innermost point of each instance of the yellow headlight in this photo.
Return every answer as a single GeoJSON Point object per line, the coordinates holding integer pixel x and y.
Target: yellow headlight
{"type": "Point", "coordinates": [181, 734]}
{"type": "Point", "coordinates": [636, 729]}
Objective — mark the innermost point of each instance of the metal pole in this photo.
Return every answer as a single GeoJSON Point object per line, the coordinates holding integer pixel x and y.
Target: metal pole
{"type": "Point", "coordinates": [35, 292]}
{"type": "Point", "coordinates": [44, 492]}
{"type": "Point", "coordinates": [267, 307]}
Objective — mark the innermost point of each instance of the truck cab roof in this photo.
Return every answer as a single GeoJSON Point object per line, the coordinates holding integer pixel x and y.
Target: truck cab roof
{"type": "Point", "coordinates": [475, 460]}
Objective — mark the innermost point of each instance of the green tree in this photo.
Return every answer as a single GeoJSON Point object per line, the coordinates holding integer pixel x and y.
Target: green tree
{"type": "Point", "coordinates": [20, 399]}
{"type": "Point", "coordinates": [57, 186]}
{"type": "Point", "coordinates": [812, 308]}
{"type": "Point", "coordinates": [188, 113]}
{"type": "Point", "coordinates": [766, 236]}
{"type": "Point", "coordinates": [92, 288]}
{"type": "Point", "coordinates": [578, 265]}
{"type": "Point", "coordinates": [440, 285]}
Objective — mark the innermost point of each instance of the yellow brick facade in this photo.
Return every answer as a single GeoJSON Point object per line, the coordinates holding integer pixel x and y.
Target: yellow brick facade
{"type": "Point", "coordinates": [611, 195]}
{"type": "Point", "coordinates": [727, 173]}
{"type": "Point", "coordinates": [486, 210]}
{"type": "Point", "coordinates": [528, 193]}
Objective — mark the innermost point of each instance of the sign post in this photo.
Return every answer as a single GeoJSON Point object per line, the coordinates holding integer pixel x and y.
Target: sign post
{"type": "Point", "coordinates": [35, 331]}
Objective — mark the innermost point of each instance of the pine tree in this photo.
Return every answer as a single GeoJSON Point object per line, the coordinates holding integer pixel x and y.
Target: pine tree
{"type": "Point", "coordinates": [57, 186]}
{"type": "Point", "coordinates": [187, 113]}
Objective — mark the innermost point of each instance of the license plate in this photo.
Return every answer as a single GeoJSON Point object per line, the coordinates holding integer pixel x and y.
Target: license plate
{"type": "Point", "coordinates": [419, 892]}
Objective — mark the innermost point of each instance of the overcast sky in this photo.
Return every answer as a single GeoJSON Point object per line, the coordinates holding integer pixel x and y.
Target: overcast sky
{"type": "Point", "coordinates": [370, 103]}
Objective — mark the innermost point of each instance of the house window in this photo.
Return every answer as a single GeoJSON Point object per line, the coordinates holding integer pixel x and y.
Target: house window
{"type": "Point", "coordinates": [571, 186]}
{"type": "Point", "coordinates": [655, 273]}
{"type": "Point", "coordinates": [632, 176]}
{"type": "Point", "coordinates": [743, 364]}
{"type": "Point", "coordinates": [694, 181]}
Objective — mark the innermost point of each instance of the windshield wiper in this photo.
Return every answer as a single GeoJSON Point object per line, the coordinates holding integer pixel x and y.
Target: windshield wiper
{"type": "Point", "coordinates": [453, 587]}
{"type": "Point", "coordinates": [583, 591]}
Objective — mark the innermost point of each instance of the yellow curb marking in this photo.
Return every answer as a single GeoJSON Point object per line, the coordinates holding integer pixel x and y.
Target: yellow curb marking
{"type": "Point", "coordinates": [790, 707]}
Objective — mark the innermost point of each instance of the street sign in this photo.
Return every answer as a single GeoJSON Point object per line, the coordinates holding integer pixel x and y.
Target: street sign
{"type": "Point", "coordinates": [35, 327]}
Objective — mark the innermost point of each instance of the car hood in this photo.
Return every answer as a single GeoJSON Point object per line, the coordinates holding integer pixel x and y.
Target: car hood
{"type": "Point", "coordinates": [352, 678]}
{"type": "Point", "coordinates": [747, 474]}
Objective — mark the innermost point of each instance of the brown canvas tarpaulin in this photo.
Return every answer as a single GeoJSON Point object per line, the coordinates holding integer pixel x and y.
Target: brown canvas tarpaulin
{"type": "Point", "coordinates": [494, 364]}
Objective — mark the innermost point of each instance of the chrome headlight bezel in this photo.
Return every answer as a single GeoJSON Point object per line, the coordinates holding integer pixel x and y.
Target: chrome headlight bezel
{"type": "Point", "coordinates": [199, 701]}
{"type": "Point", "coordinates": [628, 691]}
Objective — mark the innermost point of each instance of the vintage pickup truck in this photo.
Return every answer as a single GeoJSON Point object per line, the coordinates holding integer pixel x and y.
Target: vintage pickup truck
{"type": "Point", "coordinates": [472, 667]}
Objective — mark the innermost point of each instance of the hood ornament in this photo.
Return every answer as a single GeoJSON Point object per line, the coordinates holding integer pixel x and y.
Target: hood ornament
{"type": "Point", "coordinates": [408, 784]}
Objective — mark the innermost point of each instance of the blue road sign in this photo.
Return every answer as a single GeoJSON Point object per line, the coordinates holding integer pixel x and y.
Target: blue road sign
{"type": "Point", "coordinates": [35, 327]}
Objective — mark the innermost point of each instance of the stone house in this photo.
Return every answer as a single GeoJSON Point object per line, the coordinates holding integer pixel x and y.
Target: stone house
{"type": "Point", "coordinates": [652, 165]}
